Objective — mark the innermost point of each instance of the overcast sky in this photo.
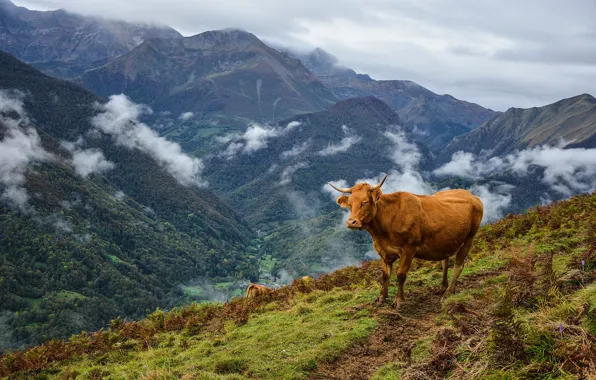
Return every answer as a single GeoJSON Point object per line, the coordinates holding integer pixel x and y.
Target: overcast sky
{"type": "Point", "coordinates": [498, 53]}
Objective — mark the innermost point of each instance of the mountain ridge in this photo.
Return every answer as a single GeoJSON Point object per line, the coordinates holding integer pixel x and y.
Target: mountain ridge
{"type": "Point", "coordinates": [64, 44]}
{"type": "Point", "coordinates": [228, 74]}
{"type": "Point", "coordinates": [571, 122]}
{"type": "Point", "coordinates": [438, 118]}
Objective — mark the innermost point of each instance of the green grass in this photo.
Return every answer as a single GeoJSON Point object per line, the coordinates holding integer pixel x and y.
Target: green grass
{"type": "Point", "coordinates": [280, 344]}
{"type": "Point", "coordinates": [115, 259]}
{"type": "Point", "coordinates": [65, 295]}
{"type": "Point", "coordinates": [193, 291]}
{"type": "Point", "coordinates": [390, 371]}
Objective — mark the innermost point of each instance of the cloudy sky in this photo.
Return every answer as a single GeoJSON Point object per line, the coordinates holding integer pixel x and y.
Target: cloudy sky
{"type": "Point", "coordinates": [496, 53]}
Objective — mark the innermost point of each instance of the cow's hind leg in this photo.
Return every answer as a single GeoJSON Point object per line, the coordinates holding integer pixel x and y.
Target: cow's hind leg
{"type": "Point", "coordinates": [460, 258]}
{"type": "Point", "coordinates": [445, 282]}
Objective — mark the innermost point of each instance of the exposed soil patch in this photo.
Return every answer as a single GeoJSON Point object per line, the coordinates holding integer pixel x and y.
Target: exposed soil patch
{"type": "Point", "coordinates": [396, 336]}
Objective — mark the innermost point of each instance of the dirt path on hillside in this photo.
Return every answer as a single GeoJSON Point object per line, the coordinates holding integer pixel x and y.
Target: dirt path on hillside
{"type": "Point", "coordinates": [396, 334]}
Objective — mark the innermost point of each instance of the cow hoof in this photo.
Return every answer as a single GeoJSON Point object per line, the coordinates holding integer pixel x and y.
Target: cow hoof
{"type": "Point", "coordinates": [397, 304]}
{"type": "Point", "coordinates": [446, 295]}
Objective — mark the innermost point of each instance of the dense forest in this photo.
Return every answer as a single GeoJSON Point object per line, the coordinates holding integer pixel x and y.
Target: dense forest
{"type": "Point", "coordinates": [117, 243]}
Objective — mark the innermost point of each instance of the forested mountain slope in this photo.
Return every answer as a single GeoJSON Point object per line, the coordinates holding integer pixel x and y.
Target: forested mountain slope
{"type": "Point", "coordinates": [353, 139]}
{"type": "Point", "coordinates": [97, 223]}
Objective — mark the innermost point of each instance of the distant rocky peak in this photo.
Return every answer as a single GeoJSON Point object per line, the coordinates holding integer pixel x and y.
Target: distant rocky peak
{"type": "Point", "coordinates": [322, 58]}
{"type": "Point", "coordinates": [223, 37]}
{"type": "Point", "coordinates": [322, 63]}
{"type": "Point", "coordinates": [7, 5]}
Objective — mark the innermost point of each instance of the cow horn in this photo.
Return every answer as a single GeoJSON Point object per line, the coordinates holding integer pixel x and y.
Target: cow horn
{"type": "Point", "coordinates": [380, 184]}
{"type": "Point", "coordinates": [341, 189]}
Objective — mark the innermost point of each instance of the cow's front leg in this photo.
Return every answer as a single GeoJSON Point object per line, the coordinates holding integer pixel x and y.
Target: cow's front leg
{"type": "Point", "coordinates": [386, 265]}
{"type": "Point", "coordinates": [402, 272]}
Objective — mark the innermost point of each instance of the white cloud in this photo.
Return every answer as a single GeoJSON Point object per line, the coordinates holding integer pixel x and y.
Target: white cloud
{"type": "Point", "coordinates": [186, 115]}
{"type": "Point", "coordinates": [288, 172]}
{"type": "Point", "coordinates": [295, 151]}
{"type": "Point", "coordinates": [344, 144]}
{"type": "Point", "coordinates": [404, 153]}
{"type": "Point", "coordinates": [410, 181]}
{"type": "Point", "coordinates": [405, 177]}
{"type": "Point", "coordinates": [494, 203]}
{"type": "Point", "coordinates": [20, 146]}
{"type": "Point", "coordinates": [332, 192]}
{"type": "Point", "coordinates": [119, 119]}
{"type": "Point", "coordinates": [12, 101]}
{"type": "Point", "coordinates": [467, 165]}
{"type": "Point", "coordinates": [120, 195]}
{"type": "Point", "coordinates": [568, 171]}
{"type": "Point", "coordinates": [88, 161]}
{"type": "Point", "coordinates": [254, 138]}
{"type": "Point", "coordinates": [293, 124]}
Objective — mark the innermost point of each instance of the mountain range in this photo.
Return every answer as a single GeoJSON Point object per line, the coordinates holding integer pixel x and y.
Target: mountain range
{"type": "Point", "coordinates": [221, 77]}
{"type": "Point", "coordinates": [436, 118]}
{"type": "Point", "coordinates": [227, 74]}
{"type": "Point", "coordinates": [63, 44]}
{"type": "Point", "coordinates": [568, 123]}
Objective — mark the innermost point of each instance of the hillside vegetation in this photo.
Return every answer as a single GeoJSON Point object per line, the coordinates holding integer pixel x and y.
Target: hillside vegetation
{"type": "Point", "coordinates": [115, 243]}
{"type": "Point", "coordinates": [525, 308]}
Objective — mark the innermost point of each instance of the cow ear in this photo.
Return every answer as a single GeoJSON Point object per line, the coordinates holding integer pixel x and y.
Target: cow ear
{"type": "Point", "coordinates": [376, 194]}
{"type": "Point", "coordinates": [343, 201]}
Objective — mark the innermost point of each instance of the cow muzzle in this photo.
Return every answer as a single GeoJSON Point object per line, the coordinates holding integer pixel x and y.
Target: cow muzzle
{"type": "Point", "coordinates": [354, 224]}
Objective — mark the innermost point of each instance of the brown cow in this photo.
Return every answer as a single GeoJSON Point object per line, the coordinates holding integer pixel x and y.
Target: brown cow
{"type": "Point", "coordinates": [405, 225]}
{"type": "Point", "coordinates": [256, 291]}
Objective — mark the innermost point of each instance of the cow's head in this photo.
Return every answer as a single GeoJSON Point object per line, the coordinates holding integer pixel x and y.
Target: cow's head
{"type": "Point", "coordinates": [362, 203]}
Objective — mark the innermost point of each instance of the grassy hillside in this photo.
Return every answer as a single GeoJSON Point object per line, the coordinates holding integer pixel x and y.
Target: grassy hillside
{"type": "Point", "coordinates": [525, 308]}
